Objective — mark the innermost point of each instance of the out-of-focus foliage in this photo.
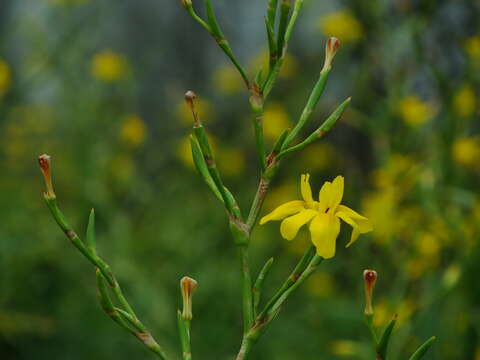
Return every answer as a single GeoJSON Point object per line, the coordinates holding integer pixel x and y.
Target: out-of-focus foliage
{"type": "Point", "coordinates": [98, 84]}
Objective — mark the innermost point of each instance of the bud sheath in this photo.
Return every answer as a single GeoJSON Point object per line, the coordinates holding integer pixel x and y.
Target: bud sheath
{"type": "Point", "coordinates": [370, 278]}
{"type": "Point", "coordinates": [187, 286]}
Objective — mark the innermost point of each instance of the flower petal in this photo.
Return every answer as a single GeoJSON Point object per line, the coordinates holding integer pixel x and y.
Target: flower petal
{"type": "Point", "coordinates": [290, 226]}
{"type": "Point", "coordinates": [305, 188]}
{"type": "Point", "coordinates": [325, 195]}
{"type": "Point", "coordinates": [336, 192]}
{"type": "Point", "coordinates": [283, 211]}
{"type": "Point", "coordinates": [324, 229]}
{"type": "Point", "coordinates": [360, 224]}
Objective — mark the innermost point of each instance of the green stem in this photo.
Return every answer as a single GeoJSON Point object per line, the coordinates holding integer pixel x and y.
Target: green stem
{"type": "Point", "coordinates": [246, 288]}
{"type": "Point", "coordinates": [184, 332]}
{"type": "Point", "coordinates": [309, 107]}
{"type": "Point", "coordinates": [144, 335]}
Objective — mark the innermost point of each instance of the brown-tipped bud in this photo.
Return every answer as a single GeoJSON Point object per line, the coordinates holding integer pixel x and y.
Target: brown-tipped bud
{"type": "Point", "coordinates": [187, 286]}
{"type": "Point", "coordinates": [45, 167]}
{"type": "Point", "coordinates": [190, 97]}
{"type": "Point", "coordinates": [331, 48]}
{"type": "Point", "coordinates": [186, 3]}
{"type": "Point", "coordinates": [370, 278]}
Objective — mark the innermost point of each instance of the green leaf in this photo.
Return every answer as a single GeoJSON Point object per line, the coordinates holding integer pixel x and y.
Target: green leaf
{"type": "Point", "coordinates": [90, 235]}
{"type": "Point", "coordinates": [385, 339]}
{"type": "Point", "coordinates": [199, 161]}
{"type": "Point", "coordinates": [417, 355]}
{"type": "Point", "coordinates": [258, 286]}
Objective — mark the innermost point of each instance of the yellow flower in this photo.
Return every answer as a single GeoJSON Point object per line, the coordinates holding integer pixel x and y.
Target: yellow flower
{"type": "Point", "coordinates": [5, 77]}
{"type": "Point", "coordinates": [108, 66]}
{"type": "Point", "coordinates": [133, 130]}
{"type": "Point", "coordinates": [414, 111]}
{"type": "Point", "coordinates": [465, 101]}
{"type": "Point", "coordinates": [323, 215]}
{"type": "Point", "coordinates": [342, 25]}
{"type": "Point", "coordinates": [472, 46]}
{"type": "Point", "coordinates": [466, 151]}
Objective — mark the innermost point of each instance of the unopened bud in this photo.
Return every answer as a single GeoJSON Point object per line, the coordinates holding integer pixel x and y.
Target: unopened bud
{"type": "Point", "coordinates": [45, 167]}
{"type": "Point", "coordinates": [331, 48]}
{"type": "Point", "coordinates": [190, 97]}
{"type": "Point", "coordinates": [187, 286]}
{"type": "Point", "coordinates": [370, 278]}
{"type": "Point", "coordinates": [186, 3]}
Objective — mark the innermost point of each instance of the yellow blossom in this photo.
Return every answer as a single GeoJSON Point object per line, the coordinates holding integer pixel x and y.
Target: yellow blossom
{"type": "Point", "coordinates": [414, 111]}
{"type": "Point", "coordinates": [275, 121]}
{"type": "Point", "coordinates": [133, 131]}
{"type": "Point", "coordinates": [342, 25]}
{"type": "Point", "coordinates": [466, 151]}
{"type": "Point", "coordinates": [465, 101]}
{"type": "Point", "coordinates": [228, 80]}
{"type": "Point", "coordinates": [472, 46]}
{"type": "Point", "coordinates": [108, 66]}
{"type": "Point", "coordinates": [323, 215]}
{"type": "Point", "coordinates": [5, 77]}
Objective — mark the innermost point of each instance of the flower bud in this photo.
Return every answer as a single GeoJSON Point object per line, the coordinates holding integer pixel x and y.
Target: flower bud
{"type": "Point", "coordinates": [186, 3]}
{"type": "Point", "coordinates": [44, 162]}
{"type": "Point", "coordinates": [331, 48]}
{"type": "Point", "coordinates": [190, 97]}
{"type": "Point", "coordinates": [370, 278]}
{"type": "Point", "coordinates": [187, 286]}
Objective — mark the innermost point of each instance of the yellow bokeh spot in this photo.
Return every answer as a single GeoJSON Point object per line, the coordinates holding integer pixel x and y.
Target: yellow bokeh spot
{"type": "Point", "coordinates": [231, 162]}
{"type": "Point", "coordinates": [108, 66]}
{"type": "Point", "coordinates": [466, 151]}
{"type": "Point", "coordinates": [465, 101]}
{"type": "Point", "coordinates": [275, 121]}
{"type": "Point", "coordinates": [320, 284]}
{"type": "Point", "coordinates": [428, 245]}
{"type": "Point", "coordinates": [415, 112]}
{"type": "Point", "coordinates": [318, 156]}
{"type": "Point", "coordinates": [5, 77]}
{"type": "Point", "coordinates": [122, 167]}
{"type": "Point", "coordinates": [133, 130]}
{"type": "Point", "coordinates": [261, 60]}
{"type": "Point", "coordinates": [472, 46]}
{"type": "Point", "coordinates": [204, 110]}
{"type": "Point", "coordinates": [228, 80]}
{"type": "Point", "coordinates": [342, 25]}
{"type": "Point", "coordinates": [344, 348]}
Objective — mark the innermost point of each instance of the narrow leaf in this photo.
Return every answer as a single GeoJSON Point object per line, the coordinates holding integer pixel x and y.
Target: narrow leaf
{"type": "Point", "coordinates": [212, 21]}
{"type": "Point", "coordinates": [258, 286]}
{"type": "Point", "coordinates": [199, 161]}
{"type": "Point", "coordinates": [90, 236]}
{"type": "Point", "coordinates": [417, 355]}
{"type": "Point", "coordinates": [384, 340]}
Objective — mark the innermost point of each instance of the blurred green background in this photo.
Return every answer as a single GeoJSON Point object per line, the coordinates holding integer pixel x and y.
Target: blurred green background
{"type": "Point", "coordinates": [99, 84]}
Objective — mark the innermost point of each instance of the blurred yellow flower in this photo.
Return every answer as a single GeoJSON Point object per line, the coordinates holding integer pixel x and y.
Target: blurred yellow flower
{"type": "Point", "coordinates": [133, 131]}
{"type": "Point", "coordinates": [344, 348]}
{"type": "Point", "coordinates": [428, 245]}
{"type": "Point", "coordinates": [108, 66]}
{"type": "Point", "coordinates": [415, 112]}
{"type": "Point", "coordinates": [465, 101]}
{"type": "Point", "coordinates": [318, 156]}
{"type": "Point", "coordinates": [451, 276]}
{"type": "Point", "coordinates": [275, 120]}
{"type": "Point", "coordinates": [5, 77]}
{"type": "Point", "coordinates": [466, 151]}
{"type": "Point", "coordinates": [342, 25]}
{"type": "Point", "coordinates": [227, 79]}
{"type": "Point", "coordinates": [122, 167]}
{"type": "Point", "coordinates": [231, 161]}
{"type": "Point", "coordinates": [320, 284]}
{"type": "Point", "coordinates": [204, 110]}
{"type": "Point", "coordinates": [472, 46]}
{"type": "Point", "coordinates": [323, 215]}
